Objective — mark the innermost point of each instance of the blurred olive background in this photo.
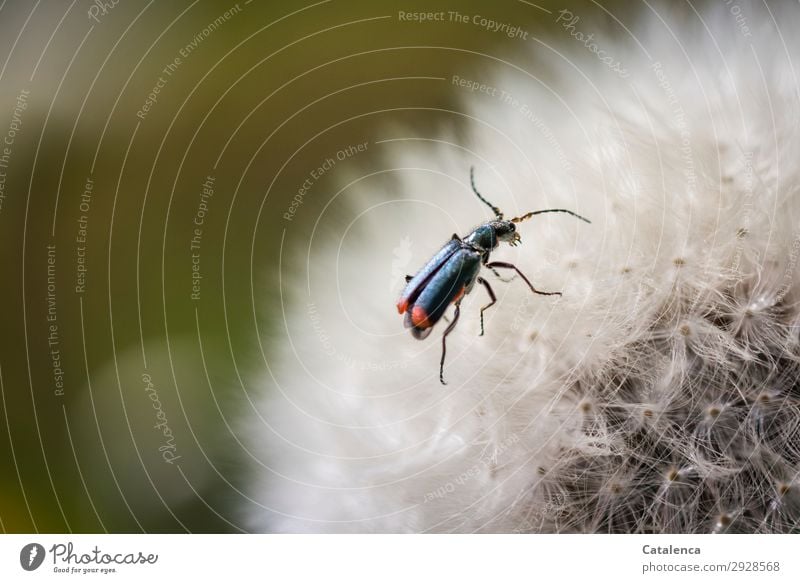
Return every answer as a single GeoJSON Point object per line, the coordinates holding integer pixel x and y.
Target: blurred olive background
{"type": "Point", "coordinates": [261, 98]}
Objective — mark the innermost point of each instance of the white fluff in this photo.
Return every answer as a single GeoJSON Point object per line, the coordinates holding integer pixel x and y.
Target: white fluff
{"type": "Point", "coordinates": [658, 394]}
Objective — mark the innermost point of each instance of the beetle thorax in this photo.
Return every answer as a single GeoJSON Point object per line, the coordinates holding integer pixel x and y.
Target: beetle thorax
{"type": "Point", "coordinates": [488, 235]}
{"type": "Point", "coordinates": [483, 237]}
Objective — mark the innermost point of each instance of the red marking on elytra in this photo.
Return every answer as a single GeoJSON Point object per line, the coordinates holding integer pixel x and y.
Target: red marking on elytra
{"type": "Point", "coordinates": [419, 317]}
{"type": "Point", "coordinates": [460, 294]}
{"type": "Point", "coordinates": [402, 306]}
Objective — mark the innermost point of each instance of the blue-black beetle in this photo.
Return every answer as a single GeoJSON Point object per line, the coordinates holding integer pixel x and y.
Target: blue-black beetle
{"type": "Point", "coordinates": [453, 271]}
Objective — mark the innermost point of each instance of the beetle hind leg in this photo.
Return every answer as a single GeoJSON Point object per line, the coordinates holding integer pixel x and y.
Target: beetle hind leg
{"type": "Point", "coordinates": [444, 341]}
{"type": "Point", "coordinates": [504, 265]}
{"type": "Point", "coordinates": [492, 297]}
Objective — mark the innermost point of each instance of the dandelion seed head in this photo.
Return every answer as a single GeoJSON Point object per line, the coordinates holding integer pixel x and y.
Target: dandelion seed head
{"type": "Point", "coordinates": [658, 394]}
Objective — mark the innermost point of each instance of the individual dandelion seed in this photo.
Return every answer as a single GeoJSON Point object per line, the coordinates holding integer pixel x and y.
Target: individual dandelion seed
{"type": "Point", "coordinates": [783, 510]}
{"type": "Point", "coordinates": [755, 319]}
{"type": "Point", "coordinates": [722, 523]}
{"type": "Point", "coordinates": [641, 415]}
{"type": "Point", "coordinates": [613, 507]}
{"type": "Point", "coordinates": [673, 507]}
{"type": "Point", "coordinates": [713, 412]}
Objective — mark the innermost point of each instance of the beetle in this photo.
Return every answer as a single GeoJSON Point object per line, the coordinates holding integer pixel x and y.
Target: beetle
{"type": "Point", "coordinates": [454, 270]}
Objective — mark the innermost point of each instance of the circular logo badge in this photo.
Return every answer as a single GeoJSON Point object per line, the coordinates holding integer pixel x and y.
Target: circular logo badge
{"type": "Point", "coordinates": [31, 556]}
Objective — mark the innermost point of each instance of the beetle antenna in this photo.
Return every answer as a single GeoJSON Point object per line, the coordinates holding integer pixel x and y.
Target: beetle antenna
{"type": "Point", "coordinates": [529, 215]}
{"type": "Point", "coordinates": [495, 210]}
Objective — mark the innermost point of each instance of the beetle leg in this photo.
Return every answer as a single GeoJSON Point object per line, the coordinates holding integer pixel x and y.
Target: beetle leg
{"type": "Point", "coordinates": [409, 278]}
{"type": "Point", "coordinates": [504, 265]}
{"type": "Point", "coordinates": [491, 297]}
{"type": "Point", "coordinates": [444, 337]}
{"type": "Point", "coordinates": [501, 278]}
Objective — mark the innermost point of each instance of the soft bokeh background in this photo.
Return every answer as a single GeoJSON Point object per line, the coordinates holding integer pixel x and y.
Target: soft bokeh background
{"type": "Point", "coordinates": [258, 104]}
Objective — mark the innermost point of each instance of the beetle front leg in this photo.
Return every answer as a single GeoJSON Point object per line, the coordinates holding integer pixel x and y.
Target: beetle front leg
{"type": "Point", "coordinates": [492, 297]}
{"type": "Point", "coordinates": [501, 278]}
{"type": "Point", "coordinates": [444, 345]}
{"type": "Point", "coordinates": [503, 265]}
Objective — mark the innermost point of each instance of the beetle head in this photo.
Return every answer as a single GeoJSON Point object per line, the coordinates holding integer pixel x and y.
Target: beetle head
{"type": "Point", "coordinates": [506, 231]}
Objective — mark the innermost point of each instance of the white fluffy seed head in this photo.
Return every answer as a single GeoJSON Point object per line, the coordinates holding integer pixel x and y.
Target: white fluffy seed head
{"type": "Point", "coordinates": [658, 394]}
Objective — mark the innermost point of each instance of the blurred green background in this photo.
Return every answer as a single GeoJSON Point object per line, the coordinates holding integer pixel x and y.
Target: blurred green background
{"type": "Point", "coordinates": [122, 392]}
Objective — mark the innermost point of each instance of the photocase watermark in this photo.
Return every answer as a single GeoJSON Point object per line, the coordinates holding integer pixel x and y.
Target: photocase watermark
{"type": "Point", "coordinates": [152, 98]}
{"type": "Point", "coordinates": [475, 86]}
{"type": "Point", "coordinates": [681, 125]}
{"type": "Point", "coordinates": [67, 560]}
{"type": "Point", "coordinates": [526, 112]}
{"type": "Point", "coordinates": [81, 237]}
{"type": "Point", "coordinates": [7, 146]}
{"type": "Point", "coordinates": [168, 449]}
{"type": "Point", "coordinates": [747, 209]}
{"type": "Point", "coordinates": [741, 20]}
{"type": "Point", "coordinates": [496, 26]}
{"type": "Point", "coordinates": [198, 224]}
{"type": "Point", "coordinates": [31, 556]}
{"type": "Point", "coordinates": [554, 505]}
{"type": "Point", "coordinates": [330, 349]}
{"type": "Point", "coordinates": [644, 289]}
{"type": "Point", "coordinates": [53, 333]}
{"type": "Point", "coordinates": [484, 463]}
{"type": "Point", "coordinates": [568, 21]}
{"type": "Point", "coordinates": [520, 107]}
{"type": "Point", "coordinates": [100, 8]}
{"type": "Point", "coordinates": [403, 16]}
{"type": "Point", "coordinates": [324, 167]}
{"type": "Point", "coordinates": [510, 30]}
{"type": "Point", "coordinates": [788, 274]}
{"type": "Point", "coordinates": [171, 68]}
